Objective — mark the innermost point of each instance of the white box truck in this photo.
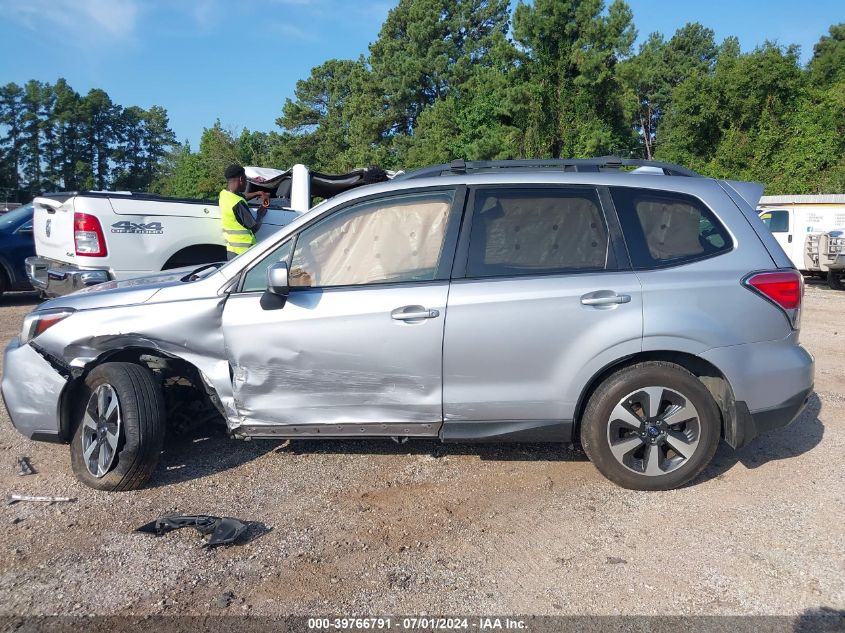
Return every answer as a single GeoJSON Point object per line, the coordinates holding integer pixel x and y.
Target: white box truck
{"type": "Point", "coordinates": [809, 228]}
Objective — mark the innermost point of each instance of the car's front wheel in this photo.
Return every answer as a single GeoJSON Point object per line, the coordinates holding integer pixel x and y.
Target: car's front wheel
{"type": "Point", "coordinates": [651, 426]}
{"type": "Point", "coordinates": [120, 425]}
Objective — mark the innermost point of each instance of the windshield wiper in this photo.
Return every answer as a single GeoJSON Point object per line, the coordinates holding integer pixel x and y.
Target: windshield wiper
{"type": "Point", "coordinates": [195, 274]}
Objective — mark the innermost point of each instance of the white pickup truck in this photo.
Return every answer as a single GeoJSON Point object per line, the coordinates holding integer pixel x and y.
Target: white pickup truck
{"type": "Point", "coordinates": [84, 238]}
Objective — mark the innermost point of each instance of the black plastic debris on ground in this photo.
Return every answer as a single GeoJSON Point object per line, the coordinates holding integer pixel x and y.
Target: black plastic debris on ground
{"type": "Point", "coordinates": [223, 530]}
{"type": "Point", "coordinates": [25, 467]}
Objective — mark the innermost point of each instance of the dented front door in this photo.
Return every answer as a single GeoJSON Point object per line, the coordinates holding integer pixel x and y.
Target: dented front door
{"type": "Point", "coordinates": [357, 347]}
{"type": "Point", "coordinates": [337, 356]}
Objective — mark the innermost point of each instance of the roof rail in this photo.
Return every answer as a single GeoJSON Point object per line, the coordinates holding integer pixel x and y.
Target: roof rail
{"type": "Point", "coordinates": [603, 163]}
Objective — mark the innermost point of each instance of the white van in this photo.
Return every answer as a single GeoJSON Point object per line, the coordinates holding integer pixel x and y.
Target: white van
{"type": "Point", "coordinates": [798, 222]}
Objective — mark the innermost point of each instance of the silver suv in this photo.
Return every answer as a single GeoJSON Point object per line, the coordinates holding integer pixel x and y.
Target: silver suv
{"type": "Point", "coordinates": [647, 314]}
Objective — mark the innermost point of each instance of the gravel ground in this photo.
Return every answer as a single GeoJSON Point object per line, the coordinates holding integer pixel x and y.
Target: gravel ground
{"type": "Point", "coordinates": [374, 527]}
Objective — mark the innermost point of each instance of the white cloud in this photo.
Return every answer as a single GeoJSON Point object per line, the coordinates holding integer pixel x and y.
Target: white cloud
{"type": "Point", "coordinates": [86, 21]}
{"type": "Point", "coordinates": [292, 31]}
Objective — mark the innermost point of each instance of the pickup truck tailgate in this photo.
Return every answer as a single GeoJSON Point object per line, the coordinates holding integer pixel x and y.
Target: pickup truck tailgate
{"type": "Point", "coordinates": [52, 228]}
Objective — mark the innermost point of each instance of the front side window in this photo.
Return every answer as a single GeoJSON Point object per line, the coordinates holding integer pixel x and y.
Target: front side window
{"type": "Point", "coordinates": [390, 240]}
{"type": "Point", "coordinates": [777, 221]}
{"type": "Point", "coordinates": [536, 231]}
{"type": "Point", "coordinates": [256, 279]}
{"type": "Point", "coordinates": [663, 228]}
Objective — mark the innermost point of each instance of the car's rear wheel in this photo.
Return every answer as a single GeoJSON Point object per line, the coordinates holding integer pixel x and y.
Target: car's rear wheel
{"type": "Point", "coordinates": [651, 426]}
{"type": "Point", "coordinates": [120, 426]}
{"type": "Point", "coordinates": [834, 280]}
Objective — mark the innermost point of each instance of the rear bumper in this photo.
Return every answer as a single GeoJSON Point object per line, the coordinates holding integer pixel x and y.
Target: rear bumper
{"type": "Point", "coordinates": [56, 279]}
{"type": "Point", "coordinates": [771, 382]}
{"type": "Point", "coordinates": [31, 390]}
{"type": "Point", "coordinates": [751, 424]}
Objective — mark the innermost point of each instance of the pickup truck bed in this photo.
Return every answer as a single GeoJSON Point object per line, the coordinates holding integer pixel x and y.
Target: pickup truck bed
{"type": "Point", "coordinates": [135, 234]}
{"type": "Point", "coordinates": [84, 238]}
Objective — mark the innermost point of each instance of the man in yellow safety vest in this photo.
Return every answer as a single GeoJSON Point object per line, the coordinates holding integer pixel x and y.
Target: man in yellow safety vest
{"type": "Point", "coordinates": [239, 225]}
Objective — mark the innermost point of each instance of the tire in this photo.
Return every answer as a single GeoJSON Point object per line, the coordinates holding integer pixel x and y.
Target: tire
{"type": "Point", "coordinates": [834, 280]}
{"type": "Point", "coordinates": [646, 458]}
{"type": "Point", "coordinates": [130, 443]}
{"type": "Point", "coordinates": [4, 282]}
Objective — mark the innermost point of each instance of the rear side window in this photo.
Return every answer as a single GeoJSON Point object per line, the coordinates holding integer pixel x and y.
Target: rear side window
{"type": "Point", "coordinates": [667, 229]}
{"type": "Point", "coordinates": [535, 231]}
{"type": "Point", "coordinates": [777, 221]}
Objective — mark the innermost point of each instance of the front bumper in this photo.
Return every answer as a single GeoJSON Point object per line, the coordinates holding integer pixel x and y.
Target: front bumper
{"type": "Point", "coordinates": [837, 263]}
{"type": "Point", "coordinates": [32, 390]}
{"type": "Point", "coordinates": [56, 279]}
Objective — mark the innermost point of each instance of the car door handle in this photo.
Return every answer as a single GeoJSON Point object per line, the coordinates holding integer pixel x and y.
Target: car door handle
{"type": "Point", "coordinates": [413, 313]}
{"type": "Point", "coordinates": [604, 298]}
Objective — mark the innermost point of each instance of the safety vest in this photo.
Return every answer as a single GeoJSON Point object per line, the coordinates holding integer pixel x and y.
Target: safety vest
{"type": "Point", "coordinates": [238, 239]}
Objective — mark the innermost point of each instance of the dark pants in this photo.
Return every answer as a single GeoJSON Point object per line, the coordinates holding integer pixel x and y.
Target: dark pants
{"type": "Point", "coordinates": [230, 255]}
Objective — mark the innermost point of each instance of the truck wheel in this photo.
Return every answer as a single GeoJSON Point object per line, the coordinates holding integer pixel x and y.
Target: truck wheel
{"type": "Point", "coordinates": [834, 280]}
{"type": "Point", "coordinates": [120, 426]}
{"type": "Point", "coordinates": [651, 426]}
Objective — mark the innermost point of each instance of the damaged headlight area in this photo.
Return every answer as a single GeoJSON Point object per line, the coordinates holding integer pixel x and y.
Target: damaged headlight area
{"type": "Point", "coordinates": [36, 323]}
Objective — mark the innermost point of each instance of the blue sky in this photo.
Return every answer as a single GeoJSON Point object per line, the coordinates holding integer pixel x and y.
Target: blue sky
{"type": "Point", "coordinates": [238, 61]}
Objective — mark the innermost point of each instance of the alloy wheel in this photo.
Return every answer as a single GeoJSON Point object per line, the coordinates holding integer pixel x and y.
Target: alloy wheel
{"type": "Point", "coordinates": [101, 430]}
{"type": "Point", "coordinates": [653, 431]}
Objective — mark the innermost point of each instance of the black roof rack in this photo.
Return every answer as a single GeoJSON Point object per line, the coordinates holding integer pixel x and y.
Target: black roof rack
{"type": "Point", "coordinates": [582, 165]}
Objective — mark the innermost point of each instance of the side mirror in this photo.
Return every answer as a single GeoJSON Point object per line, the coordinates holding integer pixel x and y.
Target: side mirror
{"type": "Point", "coordinates": [277, 279]}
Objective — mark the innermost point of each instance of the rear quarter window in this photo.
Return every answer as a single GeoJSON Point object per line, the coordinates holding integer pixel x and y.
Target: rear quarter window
{"type": "Point", "coordinates": [668, 229]}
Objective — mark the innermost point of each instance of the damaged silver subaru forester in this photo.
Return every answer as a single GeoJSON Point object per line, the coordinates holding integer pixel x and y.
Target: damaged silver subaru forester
{"type": "Point", "coordinates": [647, 314]}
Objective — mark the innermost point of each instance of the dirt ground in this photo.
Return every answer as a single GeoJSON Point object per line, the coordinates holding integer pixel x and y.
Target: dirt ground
{"type": "Point", "coordinates": [372, 527]}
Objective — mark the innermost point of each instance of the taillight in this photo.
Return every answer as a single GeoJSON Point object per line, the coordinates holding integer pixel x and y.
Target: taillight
{"type": "Point", "coordinates": [88, 236]}
{"type": "Point", "coordinates": [784, 288]}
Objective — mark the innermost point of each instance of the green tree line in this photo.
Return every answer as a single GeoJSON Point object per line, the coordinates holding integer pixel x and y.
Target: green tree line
{"type": "Point", "coordinates": [53, 138]}
{"type": "Point", "coordinates": [485, 79]}
{"type": "Point", "coordinates": [480, 79]}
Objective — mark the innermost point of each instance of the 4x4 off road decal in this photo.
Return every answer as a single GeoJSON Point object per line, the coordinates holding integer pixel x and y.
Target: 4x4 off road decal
{"type": "Point", "coordinates": [152, 228]}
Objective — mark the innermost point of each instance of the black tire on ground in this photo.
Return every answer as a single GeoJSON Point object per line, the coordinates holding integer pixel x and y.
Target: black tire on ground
{"type": "Point", "coordinates": [597, 418]}
{"type": "Point", "coordinates": [142, 427]}
{"type": "Point", "coordinates": [835, 280]}
{"type": "Point", "coordinates": [4, 282]}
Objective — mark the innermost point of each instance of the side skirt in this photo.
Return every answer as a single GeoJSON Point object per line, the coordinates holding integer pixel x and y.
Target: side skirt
{"type": "Point", "coordinates": [329, 431]}
{"type": "Point", "coordinates": [449, 431]}
{"type": "Point", "coordinates": [507, 431]}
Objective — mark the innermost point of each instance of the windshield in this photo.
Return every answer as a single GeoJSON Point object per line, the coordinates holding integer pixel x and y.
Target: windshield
{"type": "Point", "coordinates": [776, 221]}
{"type": "Point", "coordinates": [15, 217]}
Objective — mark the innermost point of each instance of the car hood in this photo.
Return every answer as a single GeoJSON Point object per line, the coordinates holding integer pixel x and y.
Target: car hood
{"type": "Point", "coordinates": [126, 292]}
